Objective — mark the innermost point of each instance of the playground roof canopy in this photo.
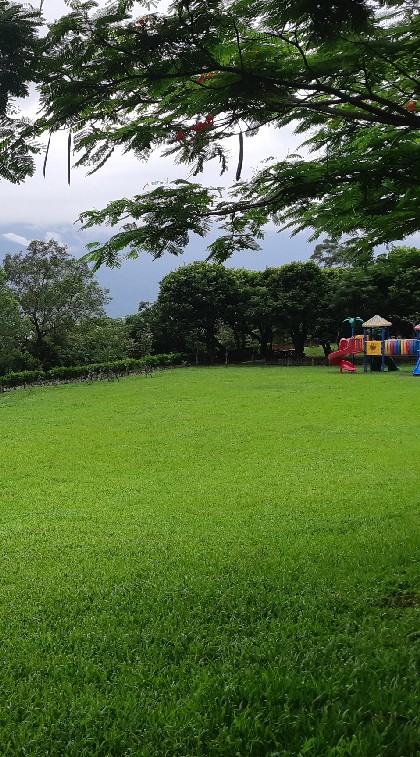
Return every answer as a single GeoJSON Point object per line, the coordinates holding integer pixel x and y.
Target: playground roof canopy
{"type": "Point", "coordinates": [376, 322]}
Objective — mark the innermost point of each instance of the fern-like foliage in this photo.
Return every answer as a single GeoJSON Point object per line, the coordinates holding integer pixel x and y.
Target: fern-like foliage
{"type": "Point", "coordinates": [344, 74]}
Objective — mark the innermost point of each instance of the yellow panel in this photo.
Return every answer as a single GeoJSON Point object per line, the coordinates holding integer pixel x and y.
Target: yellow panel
{"type": "Point", "coordinates": [373, 348]}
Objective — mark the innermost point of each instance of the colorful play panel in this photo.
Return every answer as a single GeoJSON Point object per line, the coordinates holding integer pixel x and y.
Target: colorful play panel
{"type": "Point", "coordinates": [377, 353]}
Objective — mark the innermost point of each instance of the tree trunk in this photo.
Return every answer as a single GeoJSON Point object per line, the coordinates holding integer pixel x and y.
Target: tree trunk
{"type": "Point", "coordinates": [326, 346]}
{"type": "Point", "coordinates": [299, 339]}
{"type": "Point", "coordinates": [266, 338]}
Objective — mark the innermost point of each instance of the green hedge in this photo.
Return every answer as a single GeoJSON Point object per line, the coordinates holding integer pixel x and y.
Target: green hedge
{"type": "Point", "coordinates": [95, 370]}
{"type": "Point", "coordinates": [19, 378]}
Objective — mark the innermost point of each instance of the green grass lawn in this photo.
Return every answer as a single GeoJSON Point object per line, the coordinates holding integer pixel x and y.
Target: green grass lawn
{"type": "Point", "coordinates": [211, 562]}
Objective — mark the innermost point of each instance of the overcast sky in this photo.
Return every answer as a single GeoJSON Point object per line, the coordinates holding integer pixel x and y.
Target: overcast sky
{"type": "Point", "coordinates": [48, 208]}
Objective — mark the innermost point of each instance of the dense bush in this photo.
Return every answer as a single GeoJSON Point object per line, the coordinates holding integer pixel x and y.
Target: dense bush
{"type": "Point", "coordinates": [95, 370]}
{"type": "Point", "coordinates": [20, 378]}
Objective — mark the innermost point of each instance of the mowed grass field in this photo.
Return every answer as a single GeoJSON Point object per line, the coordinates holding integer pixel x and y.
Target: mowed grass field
{"type": "Point", "coordinates": [211, 562]}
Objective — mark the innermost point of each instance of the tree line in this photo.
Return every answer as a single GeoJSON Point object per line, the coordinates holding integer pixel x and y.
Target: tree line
{"type": "Point", "coordinates": [206, 308]}
{"type": "Point", "coordinates": [52, 310]}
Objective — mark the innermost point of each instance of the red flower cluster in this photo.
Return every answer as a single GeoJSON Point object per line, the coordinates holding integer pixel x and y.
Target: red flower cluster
{"type": "Point", "coordinates": [204, 77]}
{"type": "Point", "coordinates": [204, 124]}
{"type": "Point", "coordinates": [199, 126]}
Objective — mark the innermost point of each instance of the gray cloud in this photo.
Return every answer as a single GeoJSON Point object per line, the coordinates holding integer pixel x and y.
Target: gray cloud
{"type": "Point", "coordinates": [11, 237]}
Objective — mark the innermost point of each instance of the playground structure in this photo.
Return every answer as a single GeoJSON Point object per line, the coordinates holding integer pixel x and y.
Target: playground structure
{"type": "Point", "coordinates": [377, 353]}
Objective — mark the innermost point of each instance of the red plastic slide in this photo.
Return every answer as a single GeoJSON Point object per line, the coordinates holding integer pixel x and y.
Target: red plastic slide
{"type": "Point", "coordinates": [346, 347]}
{"type": "Point", "coordinates": [345, 365]}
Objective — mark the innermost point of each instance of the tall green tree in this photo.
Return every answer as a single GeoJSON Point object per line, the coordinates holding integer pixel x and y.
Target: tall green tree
{"type": "Point", "coordinates": [195, 299]}
{"type": "Point", "coordinates": [330, 254]}
{"type": "Point", "coordinates": [96, 340]}
{"type": "Point", "coordinates": [397, 278]}
{"type": "Point", "coordinates": [389, 285]}
{"type": "Point", "coordinates": [226, 337]}
{"type": "Point", "coordinates": [298, 292]}
{"type": "Point", "coordinates": [256, 314]}
{"type": "Point", "coordinates": [144, 331]}
{"type": "Point", "coordinates": [55, 292]}
{"type": "Point", "coordinates": [349, 292]}
{"type": "Point", "coordinates": [345, 74]}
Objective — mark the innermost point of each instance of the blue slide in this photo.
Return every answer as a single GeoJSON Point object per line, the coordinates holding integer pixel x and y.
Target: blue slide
{"type": "Point", "coordinates": [416, 371]}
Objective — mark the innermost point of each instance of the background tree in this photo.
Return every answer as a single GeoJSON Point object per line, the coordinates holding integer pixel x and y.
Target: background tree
{"type": "Point", "coordinates": [253, 344]}
{"type": "Point", "coordinates": [331, 254]}
{"type": "Point", "coordinates": [13, 332]}
{"type": "Point", "coordinates": [298, 291]}
{"type": "Point", "coordinates": [389, 285]}
{"type": "Point", "coordinates": [145, 330]}
{"type": "Point", "coordinates": [225, 335]}
{"type": "Point", "coordinates": [296, 302]}
{"type": "Point", "coordinates": [197, 296]}
{"type": "Point", "coordinates": [195, 342]}
{"type": "Point", "coordinates": [96, 340]}
{"type": "Point", "coordinates": [256, 315]}
{"type": "Point", "coordinates": [349, 292]}
{"type": "Point", "coordinates": [397, 278]}
{"type": "Point", "coordinates": [145, 342]}
{"type": "Point", "coordinates": [55, 293]}
{"type": "Point", "coordinates": [345, 72]}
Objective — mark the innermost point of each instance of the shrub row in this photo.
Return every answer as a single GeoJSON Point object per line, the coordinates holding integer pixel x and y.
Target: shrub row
{"type": "Point", "coordinates": [94, 370]}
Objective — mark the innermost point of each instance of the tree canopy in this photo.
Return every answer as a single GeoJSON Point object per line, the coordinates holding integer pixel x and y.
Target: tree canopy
{"type": "Point", "coordinates": [20, 59]}
{"type": "Point", "coordinates": [96, 340]}
{"type": "Point", "coordinates": [344, 74]}
{"type": "Point", "coordinates": [202, 307]}
{"type": "Point", "coordinates": [197, 298]}
{"type": "Point", "coordinates": [54, 292]}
